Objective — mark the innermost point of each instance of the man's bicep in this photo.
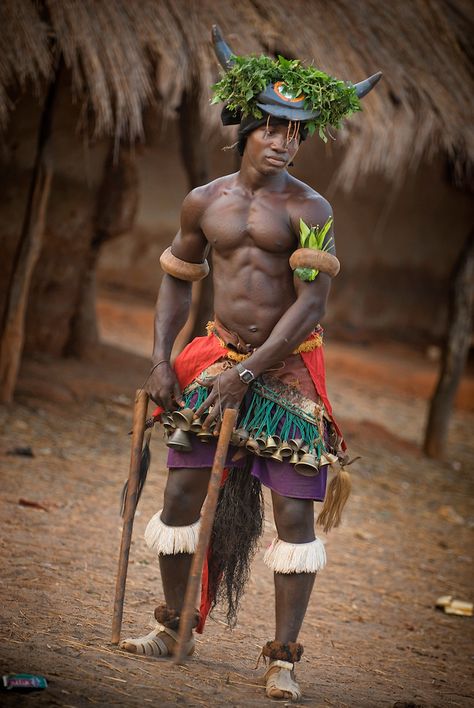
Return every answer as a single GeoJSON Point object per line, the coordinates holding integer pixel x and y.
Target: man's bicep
{"type": "Point", "coordinates": [316, 212]}
{"type": "Point", "coordinates": [190, 243]}
{"type": "Point", "coordinates": [316, 291]}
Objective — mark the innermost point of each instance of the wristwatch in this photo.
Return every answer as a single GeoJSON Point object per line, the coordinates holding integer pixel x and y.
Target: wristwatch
{"type": "Point", "coordinates": [245, 375]}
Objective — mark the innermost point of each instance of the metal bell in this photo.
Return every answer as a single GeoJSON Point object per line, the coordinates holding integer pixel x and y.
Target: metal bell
{"type": "Point", "coordinates": [277, 455]}
{"type": "Point", "coordinates": [234, 439]}
{"type": "Point", "coordinates": [242, 436]}
{"type": "Point", "coordinates": [307, 466]}
{"type": "Point", "coordinates": [270, 447]}
{"type": "Point", "coordinates": [167, 422]}
{"type": "Point", "coordinates": [196, 425]}
{"type": "Point", "coordinates": [261, 442]}
{"type": "Point", "coordinates": [252, 445]}
{"type": "Point", "coordinates": [295, 444]}
{"type": "Point", "coordinates": [183, 418]}
{"type": "Point", "coordinates": [180, 440]}
{"type": "Point", "coordinates": [205, 435]}
{"type": "Point", "coordinates": [294, 458]}
{"type": "Point", "coordinates": [285, 449]}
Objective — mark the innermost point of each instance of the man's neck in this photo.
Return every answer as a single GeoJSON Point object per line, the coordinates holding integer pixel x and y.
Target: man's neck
{"type": "Point", "coordinates": [253, 180]}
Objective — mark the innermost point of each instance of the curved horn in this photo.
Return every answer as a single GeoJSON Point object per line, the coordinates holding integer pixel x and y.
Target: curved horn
{"type": "Point", "coordinates": [363, 87]}
{"type": "Point", "coordinates": [222, 49]}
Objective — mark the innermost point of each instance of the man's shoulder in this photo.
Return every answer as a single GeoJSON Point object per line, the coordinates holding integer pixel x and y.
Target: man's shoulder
{"type": "Point", "coordinates": [201, 196]}
{"type": "Point", "coordinates": [308, 204]}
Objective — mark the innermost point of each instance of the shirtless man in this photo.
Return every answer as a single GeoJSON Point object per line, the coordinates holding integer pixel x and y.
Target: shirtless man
{"type": "Point", "coordinates": [251, 220]}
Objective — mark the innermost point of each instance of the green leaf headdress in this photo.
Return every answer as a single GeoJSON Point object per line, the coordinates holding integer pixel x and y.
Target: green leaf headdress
{"type": "Point", "coordinates": [258, 87]}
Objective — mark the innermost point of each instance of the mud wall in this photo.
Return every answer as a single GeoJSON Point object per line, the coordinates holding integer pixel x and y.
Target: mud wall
{"type": "Point", "coordinates": [68, 232]}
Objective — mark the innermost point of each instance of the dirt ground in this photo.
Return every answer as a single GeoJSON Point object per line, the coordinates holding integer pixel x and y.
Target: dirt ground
{"type": "Point", "coordinates": [372, 635]}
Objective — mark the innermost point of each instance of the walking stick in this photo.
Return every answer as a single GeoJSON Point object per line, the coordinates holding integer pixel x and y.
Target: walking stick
{"type": "Point", "coordinates": [139, 415]}
{"type": "Point", "coordinates": [207, 520]}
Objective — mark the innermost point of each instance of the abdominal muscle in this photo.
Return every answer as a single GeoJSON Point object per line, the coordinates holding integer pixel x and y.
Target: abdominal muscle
{"type": "Point", "coordinates": [252, 290]}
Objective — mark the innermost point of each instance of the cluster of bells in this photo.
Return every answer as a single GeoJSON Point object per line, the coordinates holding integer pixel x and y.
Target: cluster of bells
{"type": "Point", "coordinates": [179, 424]}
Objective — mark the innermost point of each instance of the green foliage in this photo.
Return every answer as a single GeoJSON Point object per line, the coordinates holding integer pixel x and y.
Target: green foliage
{"type": "Point", "coordinates": [313, 237]}
{"type": "Point", "coordinates": [307, 274]}
{"type": "Point", "coordinates": [240, 86]}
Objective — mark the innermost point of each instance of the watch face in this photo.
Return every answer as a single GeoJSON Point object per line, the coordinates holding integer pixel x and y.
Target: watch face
{"type": "Point", "coordinates": [246, 376]}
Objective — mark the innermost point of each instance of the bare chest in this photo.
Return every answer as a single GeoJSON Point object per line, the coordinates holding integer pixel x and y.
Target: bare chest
{"type": "Point", "coordinates": [233, 221]}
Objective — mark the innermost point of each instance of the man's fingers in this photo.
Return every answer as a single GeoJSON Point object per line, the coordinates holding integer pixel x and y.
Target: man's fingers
{"type": "Point", "coordinates": [204, 405]}
{"type": "Point", "coordinates": [211, 418]}
{"type": "Point", "coordinates": [178, 395]}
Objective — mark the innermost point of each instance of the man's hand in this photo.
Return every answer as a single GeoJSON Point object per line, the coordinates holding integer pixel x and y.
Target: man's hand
{"type": "Point", "coordinates": [227, 391]}
{"type": "Point", "coordinates": [163, 387]}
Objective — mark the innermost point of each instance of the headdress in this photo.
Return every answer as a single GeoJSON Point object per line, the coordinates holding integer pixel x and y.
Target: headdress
{"type": "Point", "coordinates": [254, 88]}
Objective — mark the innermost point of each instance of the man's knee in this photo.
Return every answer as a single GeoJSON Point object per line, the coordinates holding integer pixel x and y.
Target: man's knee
{"type": "Point", "coordinates": [294, 519]}
{"type": "Point", "coordinates": [184, 495]}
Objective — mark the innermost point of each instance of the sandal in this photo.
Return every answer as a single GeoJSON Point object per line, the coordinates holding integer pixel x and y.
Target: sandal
{"type": "Point", "coordinates": [280, 682]}
{"type": "Point", "coordinates": [157, 643]}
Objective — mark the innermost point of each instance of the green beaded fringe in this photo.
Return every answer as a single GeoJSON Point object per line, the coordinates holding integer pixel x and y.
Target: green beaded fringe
{"type": "Point", "coordinates": [264, 416]}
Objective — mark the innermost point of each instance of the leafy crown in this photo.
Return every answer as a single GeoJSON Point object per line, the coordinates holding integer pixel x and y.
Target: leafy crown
{"type": "Point", "coordinates": [249, 75]}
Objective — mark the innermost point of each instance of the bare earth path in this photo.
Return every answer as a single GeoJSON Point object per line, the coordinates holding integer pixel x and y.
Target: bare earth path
{"type": "Point", "coordinates": [372, 636]}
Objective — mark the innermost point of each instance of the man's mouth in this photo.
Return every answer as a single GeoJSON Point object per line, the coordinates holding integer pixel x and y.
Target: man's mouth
{"type": "Point", "coordinates": [277, 161]}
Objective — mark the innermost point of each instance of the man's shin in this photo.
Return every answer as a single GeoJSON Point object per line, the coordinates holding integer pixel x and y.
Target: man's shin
{"type": "Point", "coordinates": [174, 546]}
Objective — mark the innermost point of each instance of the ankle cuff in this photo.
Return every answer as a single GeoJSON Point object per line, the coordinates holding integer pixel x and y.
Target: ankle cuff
{"type": "Point", "coordinates": [169, 617]}
{"type": "Point", "coordinates": [170, 540]}
{"type": "Point", "coordinates": [291, 652]}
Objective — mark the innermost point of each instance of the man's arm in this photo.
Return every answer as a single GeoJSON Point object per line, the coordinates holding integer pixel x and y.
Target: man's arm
{"type": "Point", "coordinates": [311, 297]}
{"type": "Point", "coordinates": [174, 300]}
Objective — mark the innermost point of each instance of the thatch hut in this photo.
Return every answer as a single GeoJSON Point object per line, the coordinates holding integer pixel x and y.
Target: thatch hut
{"type": "Point", "coordinates": [90, 90]}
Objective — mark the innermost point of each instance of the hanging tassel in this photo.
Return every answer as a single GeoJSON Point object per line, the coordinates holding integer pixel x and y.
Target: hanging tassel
{"type": "Point", "coordinates": [337, 494]}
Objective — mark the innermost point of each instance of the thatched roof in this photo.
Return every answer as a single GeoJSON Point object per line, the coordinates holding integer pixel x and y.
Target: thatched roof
{"type": "Point", "coordinates": [126, 54]}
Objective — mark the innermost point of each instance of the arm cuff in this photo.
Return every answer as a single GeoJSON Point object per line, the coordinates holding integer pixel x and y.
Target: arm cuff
{"type": "Point", "coordinates": [182, 269]}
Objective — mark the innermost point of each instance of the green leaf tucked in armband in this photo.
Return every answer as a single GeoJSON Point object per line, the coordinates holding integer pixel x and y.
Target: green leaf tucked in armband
{"type": "Point", "coordinates": [313, 237]}
{"type": "Point", "coordinates": [306, 274]}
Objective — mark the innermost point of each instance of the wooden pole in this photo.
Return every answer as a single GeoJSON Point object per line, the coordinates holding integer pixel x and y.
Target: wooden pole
{"type": "Point", "coordinates": [207, 520]}
{"type": "Point", "coordinates": [139, 416]}
{"type": "Point", "coordinates": [28, 250]}
{"type": "Point", "coordinates": [455, 351]}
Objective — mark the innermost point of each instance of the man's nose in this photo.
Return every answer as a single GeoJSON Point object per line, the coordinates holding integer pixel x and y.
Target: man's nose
{"type": "Point", "coordinates": [279, 143]}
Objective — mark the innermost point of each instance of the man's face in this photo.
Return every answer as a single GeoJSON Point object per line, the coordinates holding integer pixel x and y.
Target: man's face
{"type": "Point", "coordinates": [272, 147]}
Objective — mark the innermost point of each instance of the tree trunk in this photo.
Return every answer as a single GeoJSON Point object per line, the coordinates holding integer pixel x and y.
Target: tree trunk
{"type": "Point", "coordinates": [117, 204]}
{"type": "Point", "coordinates": [196, 163]}
{"type": "Point", "coordinates": [28, 250]}
{"type": "Point", "coordinates": [455, 351]}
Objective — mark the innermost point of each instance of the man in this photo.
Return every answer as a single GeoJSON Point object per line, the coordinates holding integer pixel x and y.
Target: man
{"type": "Point", "coordinates": [263, 357]}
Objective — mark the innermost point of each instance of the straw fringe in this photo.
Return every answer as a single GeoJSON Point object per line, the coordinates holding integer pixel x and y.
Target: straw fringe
{"type": "Point", "coordinates": [283, 557]}
{"type": "Point", "coordinates": [170, 540]}
{"type": "Point", "coordinates": [337, 495]}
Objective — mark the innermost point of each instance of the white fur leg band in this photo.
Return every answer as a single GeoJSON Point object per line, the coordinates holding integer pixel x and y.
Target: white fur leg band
{"type": "Point", "coordinates": [169, 540]}
{"type": "Point", "coordinates": [283, 557]}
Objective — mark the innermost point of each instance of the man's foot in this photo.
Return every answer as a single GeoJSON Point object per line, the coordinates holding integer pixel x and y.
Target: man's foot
{"type": "Point", "coordinates": [160, 642]}
{"type": "Point", "coordinates": [280, 681]}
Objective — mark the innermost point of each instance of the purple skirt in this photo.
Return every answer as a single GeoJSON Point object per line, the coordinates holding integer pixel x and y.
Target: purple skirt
{"type": "Point", "coordinates": [278, 476]}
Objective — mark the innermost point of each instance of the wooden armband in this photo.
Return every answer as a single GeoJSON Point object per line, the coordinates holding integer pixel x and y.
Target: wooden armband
{"type": "Point", "coordinates": [182, 269]}
{"type": "Point", "coordinates": [313, 258]}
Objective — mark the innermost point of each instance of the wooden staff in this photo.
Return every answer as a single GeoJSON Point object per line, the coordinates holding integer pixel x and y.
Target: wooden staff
{"type": "Point", "coordinates": [207, 520]}
{"type": "Point", "coordinates": [139, 416]}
